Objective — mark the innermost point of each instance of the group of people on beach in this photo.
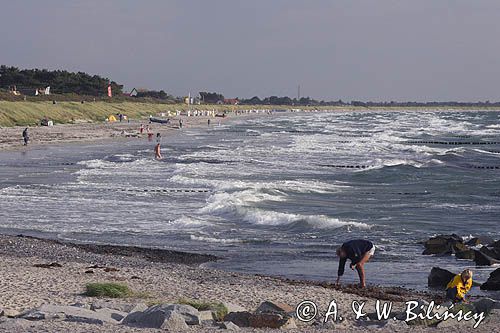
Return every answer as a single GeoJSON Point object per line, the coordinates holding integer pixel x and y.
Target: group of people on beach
{"type": "Point", "coordinates": [359, 251]}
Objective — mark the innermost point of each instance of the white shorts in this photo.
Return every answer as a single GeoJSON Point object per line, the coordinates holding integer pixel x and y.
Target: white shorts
{"type": "Point", "coordinates": [372, 251]}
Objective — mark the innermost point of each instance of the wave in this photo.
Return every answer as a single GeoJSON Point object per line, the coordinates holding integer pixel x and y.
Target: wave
{"type": "Point", "coordinates": [237, 206]}
{"type": "Point", "coordinates": [215, 240]}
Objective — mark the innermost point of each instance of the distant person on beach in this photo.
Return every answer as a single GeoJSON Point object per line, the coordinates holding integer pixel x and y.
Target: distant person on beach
{"type": "Point", "coordinates": [359, 251]}
{"type": "Point", "coordinates": [459, 286]}
{"type": "Point", "coordinates": [180, 123]}
{"type": "Point", "coordinates": [26, 136]}
{"type": "Point", "coordinates": [158, 152]}
{"type": "Point", "coordinates": [158, 137]}
{"type": "Point", "coordinates": [141, 129]}
{"type": "Point", "coordinates": [208, 122]}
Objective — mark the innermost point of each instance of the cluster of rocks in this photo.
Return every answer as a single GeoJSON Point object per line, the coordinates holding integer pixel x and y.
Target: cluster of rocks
{"type": "Point", "coordinates": [484, 251]}
{"type": "Point", "coordinates": [171, 317]}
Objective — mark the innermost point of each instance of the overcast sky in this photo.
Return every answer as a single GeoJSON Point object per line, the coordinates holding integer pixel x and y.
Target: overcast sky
{"type": "Point", "coordinates": [348, 49]}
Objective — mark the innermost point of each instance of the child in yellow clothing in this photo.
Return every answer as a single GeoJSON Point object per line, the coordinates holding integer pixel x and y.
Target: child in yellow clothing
{"type": "Point", "coordinates": [459, 286]}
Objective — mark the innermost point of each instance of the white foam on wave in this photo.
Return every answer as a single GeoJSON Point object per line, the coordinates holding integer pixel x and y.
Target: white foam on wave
{"type": "Point", "coordinates": [216, 240]}
{"type": "Point", "coordinates": [302, 186]}
{"type": "Point", "coordinates": [238, 206]}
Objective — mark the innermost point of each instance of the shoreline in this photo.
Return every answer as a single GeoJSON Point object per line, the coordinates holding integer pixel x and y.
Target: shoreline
{"type": "Point", "coordinates": [91, 131]}
{"type": "Point", "coordinates": [38, 271]}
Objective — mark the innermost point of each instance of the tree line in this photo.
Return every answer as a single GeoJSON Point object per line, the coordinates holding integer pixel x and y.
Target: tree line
{"type": "Point", "coordinates": [60, 81]}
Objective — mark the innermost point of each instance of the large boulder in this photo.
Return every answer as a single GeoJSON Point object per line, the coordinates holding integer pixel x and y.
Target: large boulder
{"type": "Point", "coordinates": [114, 304]}
{"type": "Point", "coordinates": [174, 322]}
{"type": "Point", "coordinates": [155, 316]}
{"type": "Point", "coordinates": [480, 240]}
{"type": "Point", "coordinates": [493, 282]}
{"type": "Point", "coordinates": [467, 254]}
{"type": "Point", "coordinates": [444, 245]}
{"type": "Point", "coordinates": [486, 305]}
{"type": "Point", "coordinates": [14, 325]}
{"type": "Point", "coordinates": [493, 252]}
{"type": "Point", "coordinates": [74, 314]}
{"type": "Point", "coordinates": [482, 259]}
{"type": "Point", "coordinates": [271, 320]}
{"type": "Point", "coordinates": [439, 278]}
{"type": "Point", "coordinates": [495, 244]}
{"type": "Point", "coordinates": [260, 320]}
{"type": "Point", "coordinates": [227, 325]}
{"type": "Point", "coordinates": [232, 307]}
{"type": "Point", "coordinates": [240, 318]}
{"type": "Point", "coordinates": [275, 307]}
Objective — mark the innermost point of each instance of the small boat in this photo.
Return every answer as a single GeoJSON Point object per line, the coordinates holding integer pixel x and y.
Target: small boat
{"type": "Point", "coordinates": [158, 120]}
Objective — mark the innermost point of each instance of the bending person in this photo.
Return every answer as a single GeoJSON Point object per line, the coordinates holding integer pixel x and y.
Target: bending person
{"type": "Point", "coordinates": [359, 251]}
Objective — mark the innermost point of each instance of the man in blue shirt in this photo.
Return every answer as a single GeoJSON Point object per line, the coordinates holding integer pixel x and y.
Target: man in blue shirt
{"type": "Point", "coordinates": [359, 251]}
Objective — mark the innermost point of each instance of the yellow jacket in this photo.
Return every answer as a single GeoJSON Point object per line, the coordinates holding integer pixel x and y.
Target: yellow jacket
{"type": "Point", "coordinates": [462, 288]}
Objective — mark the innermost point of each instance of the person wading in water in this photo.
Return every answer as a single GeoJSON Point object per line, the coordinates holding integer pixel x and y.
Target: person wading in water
{"type": "Point", "coordinates": [359, 251]}
{"type": "Point", "coordinates": [26, 136]}
{"type": "Point", "coordinates": [158, 152]}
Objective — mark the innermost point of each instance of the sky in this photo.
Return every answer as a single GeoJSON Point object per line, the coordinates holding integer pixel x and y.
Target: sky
{"type": "Point", "coordinates": [401, 50]}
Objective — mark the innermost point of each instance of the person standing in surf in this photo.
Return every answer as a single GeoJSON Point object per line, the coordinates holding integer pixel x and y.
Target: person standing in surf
{"type": "Point", "coordinates": [158, 152]}
{"type": "Point", "coordinates": [359, 251]}
{"type": "Point", "coordinates": [26, 136]}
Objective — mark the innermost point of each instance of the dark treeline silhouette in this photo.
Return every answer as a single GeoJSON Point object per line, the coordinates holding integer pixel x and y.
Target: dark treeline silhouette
{"type": "Point", "coordinates": [154, 94]}
{"type": "Point", "coordinates": [285, 100]}
{"type": "Point", "coordinates": [210, 97]}
{"type": "Point", "coordinates": [60, 82]}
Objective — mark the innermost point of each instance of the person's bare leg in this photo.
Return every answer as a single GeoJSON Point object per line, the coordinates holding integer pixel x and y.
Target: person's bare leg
{"type": "Point", "coordinates": [361, 272]}
{"type": "Point", "coordinates": [360, 267]}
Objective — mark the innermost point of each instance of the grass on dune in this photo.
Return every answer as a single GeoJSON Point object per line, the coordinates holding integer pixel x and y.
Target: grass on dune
{"type": "Point", "coordinates": [218, 309]}
{"type": "Point", "coordinates": [108, 289]}
{"type": "Point", "coordinates": [24, 113]}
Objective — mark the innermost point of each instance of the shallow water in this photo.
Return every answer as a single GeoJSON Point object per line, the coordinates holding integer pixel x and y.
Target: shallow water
{"type": "Point", "coordinates": [275, 194]}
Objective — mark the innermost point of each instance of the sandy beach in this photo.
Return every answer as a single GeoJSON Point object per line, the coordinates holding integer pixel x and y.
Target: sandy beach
{"type": "Point", "coordinates": [11, 138]}
{"type": "Point", "coordinates": [25, 286]}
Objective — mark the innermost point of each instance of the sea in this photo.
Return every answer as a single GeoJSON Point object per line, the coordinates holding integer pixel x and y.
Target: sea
{"type": "Point", "coordinates": [274, 194]}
